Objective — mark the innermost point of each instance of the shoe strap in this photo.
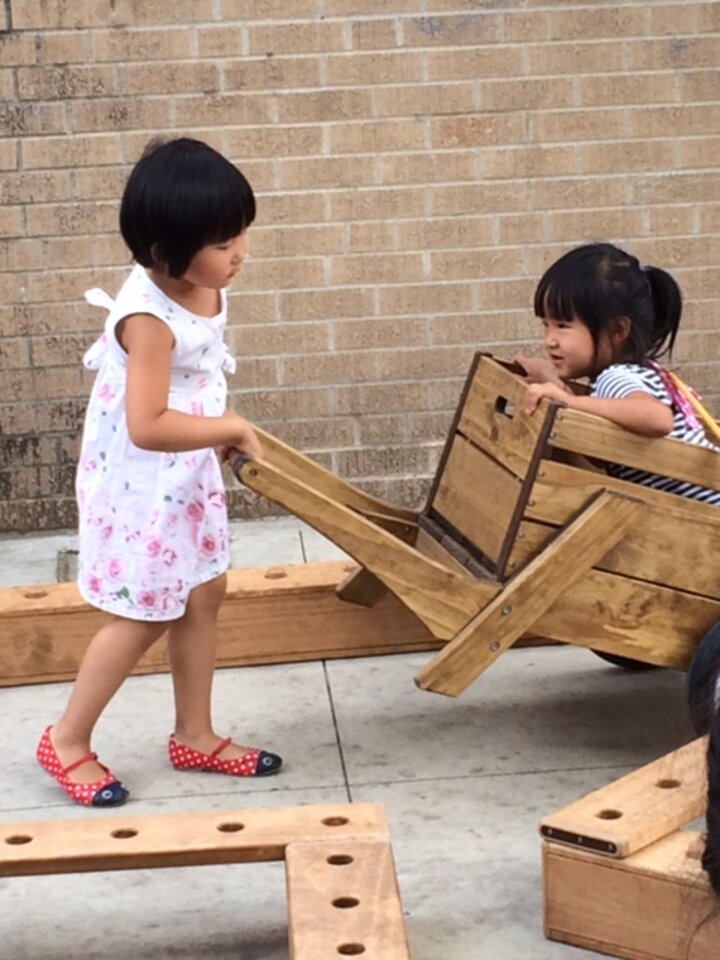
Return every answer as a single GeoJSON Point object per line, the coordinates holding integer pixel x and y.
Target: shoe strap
{"type": "Point", "coordinates": [221, 746]}
{"type": "Point", "coordinates": [84, 759]}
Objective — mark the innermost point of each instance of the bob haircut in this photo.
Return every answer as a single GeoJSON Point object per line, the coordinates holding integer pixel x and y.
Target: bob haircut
{"type": "Point", "coordinates": [181, 196]}
{"type": "Point", "coordinates": [598, 283]}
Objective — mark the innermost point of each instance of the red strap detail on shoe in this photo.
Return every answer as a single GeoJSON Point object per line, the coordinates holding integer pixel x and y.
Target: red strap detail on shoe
{"type": "Point", "coordinates": [221, 746]}
{"type": "Point", "coordinates": [78, 763]}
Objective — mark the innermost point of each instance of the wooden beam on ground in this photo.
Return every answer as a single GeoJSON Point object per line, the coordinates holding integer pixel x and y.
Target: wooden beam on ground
{"type": "Point", "coordinates": [342, 892]}
{"type": "Point", "coordinates": [270, 615]}
{"type": "Point", "coordinates": [530, 594]}
{"type": "Point", "coordinates": [179, 840]}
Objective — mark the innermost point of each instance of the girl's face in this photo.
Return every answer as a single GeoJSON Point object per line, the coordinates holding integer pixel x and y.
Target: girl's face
{"type": "Point", "coordinates": [215, 265]}
{"type": "Point", "coordinates": [570, 347]}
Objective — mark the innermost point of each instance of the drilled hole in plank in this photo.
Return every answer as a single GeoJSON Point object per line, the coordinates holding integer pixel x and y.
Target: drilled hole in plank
{"type": "Point", "coordinates": [275, 573]}
{"type": "Point", "coordinates": [345, 903]}
{"type": "Point", "coordinates": [339, 860]}
{"type": "Point", "coordinates": [668, 784]}
{"type": "Point", "coordinates": [18, 838]}
{"type": "Point", "coordinates": [335, 821]}
{"type": "Point", "coordinates": [609, 815]}
{"type": "Point", "coordinates": [230, 827]}
{"type": "Point", "coordinates": [124, 833]}
{"type": "Point", "coordinates": [350, 949]}
{"type": "Point", "coordinates": [34, 594]}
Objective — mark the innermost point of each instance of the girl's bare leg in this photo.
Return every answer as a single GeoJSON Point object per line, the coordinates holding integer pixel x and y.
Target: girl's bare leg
{"type": "Point", "coordinates": [112, 654]}
{"type": "Point", "coordinates": [192, 643]}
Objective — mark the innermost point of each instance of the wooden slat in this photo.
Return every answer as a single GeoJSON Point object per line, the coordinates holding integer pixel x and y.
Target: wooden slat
{"type": "Point", "coordinates": [437, 596]}
{"type": "Point", "coordinates": [179, 840]}
{"type": "Point", "coordinates": [638, 809]}
{"type": "Point", "coordinates": [494, 419]}
{"type": "Point", "coordinates": [592, 436]}
{"type": "Point", "coordinates": [340, 908]}
{"type": "Point", "coordinates": [477, 497]}
{"type": "Point", "coordinates": [676, 545]}
{"type": "Point", "coordinates": [630, 618]}
{"type": "Point", "coordinates": [529, 595]}
{"type": "Point", "coordinates": [663, 551]}
{"type": "Point", "coordinates": [655, 905]}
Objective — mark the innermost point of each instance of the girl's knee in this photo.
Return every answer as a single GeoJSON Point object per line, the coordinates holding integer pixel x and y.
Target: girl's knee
{"type": "Point", "coordinates": [209, 594]}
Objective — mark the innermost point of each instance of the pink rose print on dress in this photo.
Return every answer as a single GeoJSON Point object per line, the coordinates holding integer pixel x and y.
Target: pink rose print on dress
{"type": "Point", "coordinates": [195, 511]}
{"type": "Point", "coordinates": [153, 547]}
{"type": "Point", "coordinates": [208, 545]}
{"type": "Point", "coordinates": [169, 557]}
{"type": "Point", "coordinates": [114, 568]}
{"type": "Point", "coordinates": [216, 498]}
{"type": "Point", "coordinates": [87, 463]}
{"type": "Point", "coordinates": [106, 533]}
{"type": "Point", "coordinates": [147, 598]}
{"type": "Point", "coordinates": [105, 393]}
{"type": "Point", "coordinates": [94, 584]}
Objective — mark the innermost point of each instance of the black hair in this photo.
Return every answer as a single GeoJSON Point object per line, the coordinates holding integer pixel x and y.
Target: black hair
{"type": "Point", "coordinates": [598, 284]}
{"type": "Point", "coordinates": [180, 196]}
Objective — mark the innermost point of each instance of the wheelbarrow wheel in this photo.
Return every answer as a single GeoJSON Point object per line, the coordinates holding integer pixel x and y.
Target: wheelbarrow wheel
{"type": "Point", "coordinates": [626, 663]}
{"type": "Point", "coordinates": [702, 680]}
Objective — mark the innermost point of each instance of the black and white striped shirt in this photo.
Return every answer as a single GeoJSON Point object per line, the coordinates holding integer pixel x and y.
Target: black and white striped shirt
{"type": "Point", "coordinates": [622, 379]}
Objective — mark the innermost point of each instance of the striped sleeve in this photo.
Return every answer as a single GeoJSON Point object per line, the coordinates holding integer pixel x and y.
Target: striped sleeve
{"type": "Point", "coordinates": [620, 380]}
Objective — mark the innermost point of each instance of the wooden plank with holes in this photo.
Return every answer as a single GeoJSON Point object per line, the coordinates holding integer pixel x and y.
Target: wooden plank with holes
{"type": "Point", "coordinates": [530, 594]}
{"type": "Point", "coordinates": [654, 905]}
{"type": "Point", "coordinates": [343, 900]}
{"type": "Point", "coordinates": [341, 884]}
{"type": "Point", "coordinates": [619, 819]}
{"type": "Point", "coordinates": [180, 839]}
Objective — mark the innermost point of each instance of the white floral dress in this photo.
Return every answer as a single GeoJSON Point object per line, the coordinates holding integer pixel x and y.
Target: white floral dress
{"type": "Point", "coordinates": [152, 525]}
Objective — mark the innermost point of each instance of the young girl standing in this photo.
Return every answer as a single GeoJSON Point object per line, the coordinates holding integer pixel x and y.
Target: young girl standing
{"type": "Point", "coordinates": [153, 536]}
{"type": "Point", "coordinates": [608, 318]}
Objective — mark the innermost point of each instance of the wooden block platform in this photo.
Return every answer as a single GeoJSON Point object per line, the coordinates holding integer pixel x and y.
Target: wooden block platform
{"type": "Point", "coordinates": [620, 874]}
{"type": "Point", "coordinates": [342, 892]}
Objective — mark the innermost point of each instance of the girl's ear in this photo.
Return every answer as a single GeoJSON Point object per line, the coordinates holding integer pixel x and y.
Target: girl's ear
{"type": "Point", "coordinates": [619, 330]}
{"type": "Point", "coordinates": [156, 255]}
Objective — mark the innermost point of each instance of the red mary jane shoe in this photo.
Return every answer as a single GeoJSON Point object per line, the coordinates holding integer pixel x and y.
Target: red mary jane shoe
{"type": "Point", "coordinates": [108, 792]}
{"type": "Point", "coordinates": [253, 763]}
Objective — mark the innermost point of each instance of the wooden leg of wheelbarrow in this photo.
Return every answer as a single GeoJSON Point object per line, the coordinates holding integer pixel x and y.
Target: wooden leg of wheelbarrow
{"type": "Point", "coordinates": [530, 594]}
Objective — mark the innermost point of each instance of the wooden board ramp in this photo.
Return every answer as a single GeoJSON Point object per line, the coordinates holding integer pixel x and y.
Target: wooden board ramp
{"type": "Point", "coordinates": [342, 892]}
{"type": "Point", "coordinates": [622, 876]}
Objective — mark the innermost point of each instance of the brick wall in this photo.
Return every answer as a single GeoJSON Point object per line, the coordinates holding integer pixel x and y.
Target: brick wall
{"type": "Point", "coordinates": [418, 163]}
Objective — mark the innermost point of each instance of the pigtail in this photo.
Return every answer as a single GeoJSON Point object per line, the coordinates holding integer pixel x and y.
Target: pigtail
{"type": "Point", "coordinates": [667, 308]}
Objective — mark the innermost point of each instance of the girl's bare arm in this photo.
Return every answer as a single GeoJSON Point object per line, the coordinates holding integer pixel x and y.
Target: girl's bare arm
{"type": "Point", "coordinates": [152, 425]}
{"type": "Point", "coordinates": [638, 411]}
